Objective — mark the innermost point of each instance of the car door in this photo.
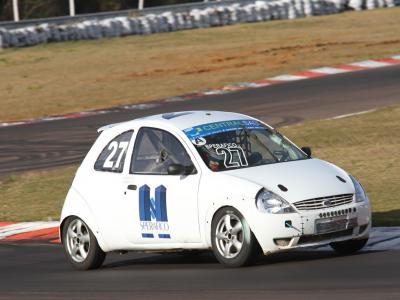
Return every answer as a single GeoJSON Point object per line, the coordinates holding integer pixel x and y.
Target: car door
{"type": "Point", "coordinates": [102, 185]}
{"type": "Point", "coordinates": [160, 208]}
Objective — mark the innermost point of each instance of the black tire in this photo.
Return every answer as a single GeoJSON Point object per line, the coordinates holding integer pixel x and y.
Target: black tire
{"type": "Point", "coordinates": [94, 257]}
{"type": "Point", "coordinates": [349, 247]}
{"type": "Point", "coordinates": [249, 250]}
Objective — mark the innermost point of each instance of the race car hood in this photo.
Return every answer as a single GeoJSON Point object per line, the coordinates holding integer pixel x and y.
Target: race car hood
{"type": "Point", "coordinates": [303, 179]}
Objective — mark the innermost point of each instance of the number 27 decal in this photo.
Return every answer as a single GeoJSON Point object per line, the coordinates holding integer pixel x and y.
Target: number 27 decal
{"type": "Point", "coordinates": [231, 153]}
{"type": "Point", "coordinates": [113, 160]}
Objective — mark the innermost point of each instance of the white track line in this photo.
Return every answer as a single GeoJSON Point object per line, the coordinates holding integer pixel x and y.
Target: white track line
{"type": "Point", "coordinates": [352, 114]}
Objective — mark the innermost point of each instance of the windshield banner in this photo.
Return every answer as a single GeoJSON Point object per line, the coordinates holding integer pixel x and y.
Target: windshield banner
{"type": "Point", "coordinates": [223, 126]}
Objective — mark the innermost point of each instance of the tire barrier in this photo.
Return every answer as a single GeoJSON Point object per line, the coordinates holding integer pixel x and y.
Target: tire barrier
{"type": "Point", "coordinates": [212, 16]}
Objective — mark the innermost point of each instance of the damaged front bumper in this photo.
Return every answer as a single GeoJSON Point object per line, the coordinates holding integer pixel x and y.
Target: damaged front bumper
{"type": "Point", "coordinates": [312, 228]}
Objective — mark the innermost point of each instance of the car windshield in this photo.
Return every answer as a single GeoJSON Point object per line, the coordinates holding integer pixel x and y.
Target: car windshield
{"type": "Point", "coordinates": [240, 144]}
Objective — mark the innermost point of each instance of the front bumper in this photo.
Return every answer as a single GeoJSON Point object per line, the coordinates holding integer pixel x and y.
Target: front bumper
{"type": "Point", "coordinates": [276, 232]}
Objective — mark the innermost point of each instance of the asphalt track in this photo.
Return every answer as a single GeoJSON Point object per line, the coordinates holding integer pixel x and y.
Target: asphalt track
{"type": "Point", "coordinates": [33, 271]}
{"type": "Point", "coordinates": [63, 142]}
{"type": "Point", "coordinates": [42, 272]}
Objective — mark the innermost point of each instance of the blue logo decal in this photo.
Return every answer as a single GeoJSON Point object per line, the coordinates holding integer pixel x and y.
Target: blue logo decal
{"type": "Point", "coordinates": [153, 212]}
{"type": "Point", "coordinates": [151, 209]}
{"type": "Point", "coordinates": [217, 127]}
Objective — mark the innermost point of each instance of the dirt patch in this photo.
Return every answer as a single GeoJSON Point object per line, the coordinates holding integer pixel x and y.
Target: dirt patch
{"type": "Point", "coordinates": [220, 68]}
{"type": "Point", "coordinates": [384, 43]}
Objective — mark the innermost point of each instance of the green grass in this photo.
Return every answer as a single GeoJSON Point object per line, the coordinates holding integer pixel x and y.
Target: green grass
{"type": "Point", "coordinates": [65, 77]}
{"type": "Point", "coordinates": [366, 145]}
{"type": "Point", "coordinates": [37, 195]}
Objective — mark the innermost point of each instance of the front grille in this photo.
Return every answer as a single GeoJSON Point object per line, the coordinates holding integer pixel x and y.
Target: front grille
{"type": "Point", "coordinates": [324, 202]}
{"type": "Point", "coordinates": [307, 239]}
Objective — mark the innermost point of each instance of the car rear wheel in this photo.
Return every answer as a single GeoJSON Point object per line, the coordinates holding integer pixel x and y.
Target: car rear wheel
{"type": "Point", "coordinates": [349, 247]}
{"type": "Point", "coordinates": [81, 246]}
{"type": "Point", "coordinates": [233, 243]}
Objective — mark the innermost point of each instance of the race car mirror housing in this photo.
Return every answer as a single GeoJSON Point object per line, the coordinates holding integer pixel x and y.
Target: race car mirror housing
{"type": "Point", "coordinates": [306, 150]}
{"type": "Point", "coordinates": [178, 169]}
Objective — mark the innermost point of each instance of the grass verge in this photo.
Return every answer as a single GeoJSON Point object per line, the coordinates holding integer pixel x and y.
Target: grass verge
{"type": "Point", "coordinates": [65, 77]}
{"type": "Point", "coordinates": [366, 145]}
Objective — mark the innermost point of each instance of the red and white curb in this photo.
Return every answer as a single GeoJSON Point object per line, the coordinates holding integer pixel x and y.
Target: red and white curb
{"type": "Point", "coordinates": [317, 72]}
{"type": "Point", "coordinates": [382, 238]}
{"type": "Point", "coordinates": [29, 231]}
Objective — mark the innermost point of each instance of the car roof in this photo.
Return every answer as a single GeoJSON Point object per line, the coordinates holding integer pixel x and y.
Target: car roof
{"type": "Point", "coordinates": [183, 119]}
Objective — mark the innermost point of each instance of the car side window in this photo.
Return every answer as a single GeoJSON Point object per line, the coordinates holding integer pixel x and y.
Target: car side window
{"type": "Point", "coordinates": [112, 158]}
{"type": "Point", "coordinates": [155, 150]}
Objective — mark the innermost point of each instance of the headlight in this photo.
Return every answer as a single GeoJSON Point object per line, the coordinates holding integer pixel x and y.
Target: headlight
{"type": "Point", "coordinates": [267, 201]}
{"type": "Point", "coordinates": [361, 196]}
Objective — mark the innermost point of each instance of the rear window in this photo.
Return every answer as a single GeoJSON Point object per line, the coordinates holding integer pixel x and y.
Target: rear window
{"type": "Point", "coordinates": [112, 158]}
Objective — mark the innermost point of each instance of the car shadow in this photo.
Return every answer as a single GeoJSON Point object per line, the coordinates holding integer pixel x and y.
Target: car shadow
{"type": "Point", "coordinates": [207, 260]}
{"type": "Point", "coordinates": [304, 255]}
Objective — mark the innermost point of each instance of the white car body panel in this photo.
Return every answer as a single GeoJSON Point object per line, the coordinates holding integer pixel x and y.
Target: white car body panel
{"type": "Point", "coordinates": [112, 211]}
{"type": "Point", "coordinates": [76, 205]}
{"type": "Point", "coordinates": [304, 179]}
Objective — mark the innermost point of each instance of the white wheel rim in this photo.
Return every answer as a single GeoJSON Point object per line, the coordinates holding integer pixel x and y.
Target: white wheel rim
{"type": "Point", "coordinates": [229, 236]}
{"type": "Point", "coordinates": [78, 240]}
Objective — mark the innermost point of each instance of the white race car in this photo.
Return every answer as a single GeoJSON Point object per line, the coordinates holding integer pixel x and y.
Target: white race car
{"type": "Point", "coordinates": [207, 180]}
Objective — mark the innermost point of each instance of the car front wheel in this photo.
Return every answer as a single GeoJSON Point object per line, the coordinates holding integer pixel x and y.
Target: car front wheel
{"type": "Point", "coordinates": [349, 247]}
{"type": "Point", "coordinates": [81, 246]}
{"type": "Point", "coordinates": [233, 243]}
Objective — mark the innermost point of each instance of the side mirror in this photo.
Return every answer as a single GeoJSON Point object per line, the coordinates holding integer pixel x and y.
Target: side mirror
{"type": "Point", "coordinates": [306, 150]}
{"type": "Point", "coordinates": [178, 169]}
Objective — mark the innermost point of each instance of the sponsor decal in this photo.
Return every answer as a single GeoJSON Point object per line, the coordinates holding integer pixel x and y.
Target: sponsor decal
{"type": "Point", "coordinates": [223, 126]}
{"type": "Point", "coordinates": [232, 153]}
{"type": "Point", "coordinates": [233, 157]}
{"type": "Point", "coordinates": [222, 145]}
{"type": "Point", "coordinates": [199, 141]}
{"type": "Point", "coordinates": [153, 212]}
